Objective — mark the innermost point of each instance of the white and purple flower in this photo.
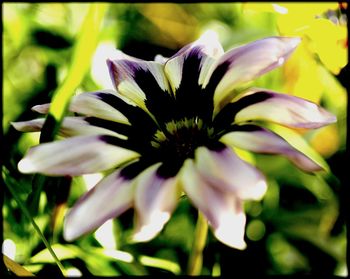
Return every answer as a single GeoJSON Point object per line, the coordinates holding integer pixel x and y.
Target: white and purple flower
{"type": "Point", "coordinates": [170, 127]}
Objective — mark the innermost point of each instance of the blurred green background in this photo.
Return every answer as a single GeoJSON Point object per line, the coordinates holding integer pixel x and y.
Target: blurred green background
{"type": "Point", "coordinates": [298, 228]}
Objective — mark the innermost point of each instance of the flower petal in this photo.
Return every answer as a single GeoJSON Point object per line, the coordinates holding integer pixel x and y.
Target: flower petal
{"type": "Point", "coordinates": [43, 109]}
{"type": "Point", "coordinates": [143, 82]}
{"type": "Point", "coordinates": [104, 104]}
{"type": "Point", "coordinates": [107, 115]}
{"type": "Point", "coordinates": [76, 156]}
{"type": "Point", "coordinates": [160, 59]}
{"type": "Point", "coordinates": [71, 126]}
{"type": "Point", "coordinates": [155, 200]}
{"type": "Point", "coordinates": [231, 228]}
{"type": "Point", "coordinates": [261, 140]}
{"type": "Point", "coordinates": [245, 63]}
{"type": "Point", "coordinates": [222, 209]}
{"type": "Point", "coordinates": [224, 170]}
{"type": "Point", "coordinates": [284, 109]}
{"type": "Point", "coordinates": [204, 50]}
{"type": "Point", "coordinates": [98, 104]}
{"type": "Point", "coordinates": [33, 125]}
{"type": "Point", "coordinates": [186, 71]}
{"type": "Point", "coordinates": [108, 199]}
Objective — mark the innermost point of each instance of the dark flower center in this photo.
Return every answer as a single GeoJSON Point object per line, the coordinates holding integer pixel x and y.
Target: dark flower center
{"type": "Point", "coordinates": [180, 139]}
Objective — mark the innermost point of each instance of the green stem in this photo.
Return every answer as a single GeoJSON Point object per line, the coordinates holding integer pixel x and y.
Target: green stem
{"type": "Point", "coordinates": [196, 257]}
{"type": "Point", "coordinates": [37, 229]}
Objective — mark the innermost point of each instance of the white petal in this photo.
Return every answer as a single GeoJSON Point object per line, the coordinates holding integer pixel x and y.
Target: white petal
{"type": "Point", "coordinates": [76, 126]}
{"type": "Point", "coordinates": [212, 46]}
{"type": "Point", "coordinates": [33, 125]}
{"type": "Point", "coordinates": [93, 104]}
{"type": "Point", "coordinates": [213, 51]}
{"type": "Point", "coordinates": [223, 210]}
{"type": "Point", "coordinates": [160, 59]}
{"type": "Point", "coordinates": [264, 141]}
{"type": "Point", "coordinates": [75, 156]}
{"type": "Point", "coordinates": [155, 200]}
{"type": "Point", "coordinates": [287, 110]}
{"type": "Point", "coordinates": [207, 48]}
{"type": "Point", "coordinates": [232, 226]}
{"type": "Point", "coordinates": [245, 63]}
{"type": "Point", "coordinates": [124, 72]}
{"type": "Point", "coordinates": [43, 109]}
{"type": "Point", "coordinates": [71, 126]}
{"type": "Point", "coordinates": [108, 199]}
{"type": "Point", "coordinates": [225, 170]}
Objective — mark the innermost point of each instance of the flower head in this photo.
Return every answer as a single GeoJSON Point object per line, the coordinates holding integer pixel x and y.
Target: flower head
{"type": "Point", "coordinates": [170, 127]}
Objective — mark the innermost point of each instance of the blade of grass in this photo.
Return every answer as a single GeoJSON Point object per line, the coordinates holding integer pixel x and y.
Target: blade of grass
{"type": "Point", "coordinates": [81, 59]}
{"type": "Point", "coordinates": [36, 228]}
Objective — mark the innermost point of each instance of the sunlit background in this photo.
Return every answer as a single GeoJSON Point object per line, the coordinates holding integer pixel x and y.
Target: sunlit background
{"type": "Point", "coordinates": [298, 228]}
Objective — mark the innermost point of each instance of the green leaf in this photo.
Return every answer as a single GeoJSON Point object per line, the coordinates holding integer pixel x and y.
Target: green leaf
{"type": "Point", "coordinates": [62, 252]}
{"type": "Point", "coordinates": [97, 259]}
{"type": "Point", "coordinates": [160, 263]}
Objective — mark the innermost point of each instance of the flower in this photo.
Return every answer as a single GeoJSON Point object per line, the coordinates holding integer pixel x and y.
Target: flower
{"type": "Point", "coordinates": [170, 127]}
